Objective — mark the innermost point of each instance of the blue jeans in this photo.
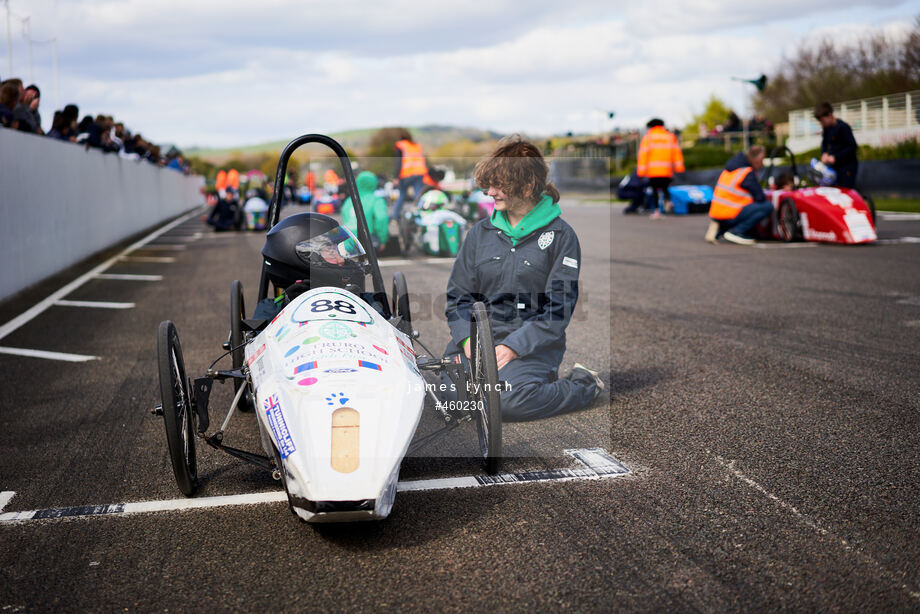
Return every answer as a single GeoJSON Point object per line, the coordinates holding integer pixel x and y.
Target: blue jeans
{"type": "Point", "coordinates": [417, 182]}
{"type": "Point", "coordinates": [748, 217]}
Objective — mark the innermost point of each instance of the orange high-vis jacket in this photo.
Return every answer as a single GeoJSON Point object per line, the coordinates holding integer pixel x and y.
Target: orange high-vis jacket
{"type": "Point", "coordinates": [659, 154]}
{"type": "Point", "coordinates": [413, 162]}
{"type": "Point", "coordinates": [729, 198]}
{"type": "Point", "coordinates": [233, 179]}
{"type": "Point", "coordinates": [221, 182]}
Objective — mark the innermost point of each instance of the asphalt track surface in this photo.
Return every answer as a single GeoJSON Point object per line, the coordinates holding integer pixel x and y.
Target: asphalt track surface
{"type": "Point", "coordinates": [765, 402]}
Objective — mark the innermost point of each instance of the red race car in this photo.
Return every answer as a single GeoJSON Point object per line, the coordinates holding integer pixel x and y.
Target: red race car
{"type": "Point", "coordinates": [806, 210]}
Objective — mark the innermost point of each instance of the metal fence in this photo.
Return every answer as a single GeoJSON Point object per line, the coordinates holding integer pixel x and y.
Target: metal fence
{"type": "Point", "coordinates": [880, 121]}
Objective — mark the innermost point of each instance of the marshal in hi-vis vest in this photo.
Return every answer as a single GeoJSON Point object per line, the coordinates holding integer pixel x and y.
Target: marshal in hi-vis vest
{"type": "Point", "coordinates": [729, 198]}
{"type": "Point", "coordinates": [659, 154]}
{"type": "Point", "coordinates": [413, 162]}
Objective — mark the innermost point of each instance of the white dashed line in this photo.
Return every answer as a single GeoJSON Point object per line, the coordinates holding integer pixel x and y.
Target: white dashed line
{"type": "Point", "coordinates": [47, 355]}
{"type": "Point", "coordinates": [160, 259]}
{"type": "Point", "coordinates": [166, 247]}
{"type": "Point", "coordinates": [784, 245]}
{"type": "Point", "coordinates": [94, 304]}
{"type": "Point", "coordinates": [899, 217]}
{"type": "Point", "coordinates": [898, 241]}
{"type": "Point", "coordinates": [125, 277]}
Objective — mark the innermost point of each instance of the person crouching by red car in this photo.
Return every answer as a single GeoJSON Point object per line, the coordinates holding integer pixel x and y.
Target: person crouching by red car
{"type": "Point", "coordinates": [738, 201]}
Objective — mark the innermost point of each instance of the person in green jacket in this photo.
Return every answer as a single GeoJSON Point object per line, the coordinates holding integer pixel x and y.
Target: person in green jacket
{"type": "Point", "coordinates": [375, 210]}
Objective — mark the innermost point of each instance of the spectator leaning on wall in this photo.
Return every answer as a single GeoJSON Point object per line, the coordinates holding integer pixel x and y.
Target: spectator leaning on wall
{"type": "Point", "coordinates": [30, 120]}
{"type": "Point", "coordinates": [9, 98]}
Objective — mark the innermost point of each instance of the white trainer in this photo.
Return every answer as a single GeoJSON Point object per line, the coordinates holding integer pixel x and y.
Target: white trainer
{"type": "Point", "coordinates": [738, 239]}
{"type": "Point", "coordinates": [712, 232]}
{"type": "Point", "coordinates": [594, 374]}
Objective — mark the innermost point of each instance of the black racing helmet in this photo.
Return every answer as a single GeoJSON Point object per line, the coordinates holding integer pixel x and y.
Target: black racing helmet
{"type": "Point", "coordinates": [313, 248]}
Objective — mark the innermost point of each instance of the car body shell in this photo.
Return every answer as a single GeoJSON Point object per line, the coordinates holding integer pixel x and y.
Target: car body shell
{"type": "Point", "coordinates": [338, 399]}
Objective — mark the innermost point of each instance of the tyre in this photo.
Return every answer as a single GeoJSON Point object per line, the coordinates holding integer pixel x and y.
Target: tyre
{"type": "Point", "coordinates": [406, 230]}
{"type": "Point", "coordinates": [871, 204]}
{"type": "Point", "coordinates": [788, 223]}
{"type": "Point", "coordinates": [237, 349]}
{"type": "Point", "coordinates": [401, 303]}
{"type": "Point", "coordinates": [178, 416]}
{"type": "Point", "coordinates": [484, 393]}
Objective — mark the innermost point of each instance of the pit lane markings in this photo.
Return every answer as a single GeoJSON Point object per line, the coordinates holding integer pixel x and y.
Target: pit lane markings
{"type": "Point", "coordinates": [127, 277]}
{"type": "Point", "coordinates": [94, 304]}
{"type": "Point", "coordinates": [160, 259]}
{"type": "Point", "coordinates": [40, 307]}
{"type": "Point", "coordinates": [47, 355]}
{"type": "Point", "coordinates": [730, 467]}
{"type": "Point", "coordinates": [894, 216]}
{"type": "Point", "coordinates": [784, 245]}
{"type": "Point", "coordinates": [596, 464]}
{"type": "Point", "coordinates": [172, 247]}
{"type": "Point", "coordinates": [898, 241]}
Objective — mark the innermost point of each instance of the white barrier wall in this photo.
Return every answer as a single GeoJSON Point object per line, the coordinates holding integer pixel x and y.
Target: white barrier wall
{"type": "Point", "coordinates": [61, 203]}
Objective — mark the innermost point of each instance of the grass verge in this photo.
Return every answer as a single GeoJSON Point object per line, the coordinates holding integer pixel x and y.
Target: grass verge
{"type": "Point", "coordinates": [910, 205]}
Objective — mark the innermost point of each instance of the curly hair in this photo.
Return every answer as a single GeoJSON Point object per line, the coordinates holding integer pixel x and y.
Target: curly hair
{"type": "Point", "coordinates": [518, 169]}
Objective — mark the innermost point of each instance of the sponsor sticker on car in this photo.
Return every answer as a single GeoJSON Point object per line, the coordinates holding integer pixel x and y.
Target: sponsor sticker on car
{"type": "Point", "coordinates": [278, 426]}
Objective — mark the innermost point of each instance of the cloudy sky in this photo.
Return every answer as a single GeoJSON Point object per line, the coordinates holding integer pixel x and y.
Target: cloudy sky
{"type": "Point", "coordinates": [233, 72]}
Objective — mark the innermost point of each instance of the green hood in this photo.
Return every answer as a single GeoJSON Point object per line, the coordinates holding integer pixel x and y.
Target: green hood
{"type": "Point", "coordinates": [367, 183]}
{"type": "Point", "coordinates": [542, 214]}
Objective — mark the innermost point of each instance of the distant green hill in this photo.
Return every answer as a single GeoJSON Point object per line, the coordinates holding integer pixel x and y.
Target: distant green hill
{"type": "Point", "coordinates": [430, 136]}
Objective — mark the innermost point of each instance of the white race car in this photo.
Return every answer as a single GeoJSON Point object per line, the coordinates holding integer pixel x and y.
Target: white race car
{"type": "Point", "coordinates": [334, 379]}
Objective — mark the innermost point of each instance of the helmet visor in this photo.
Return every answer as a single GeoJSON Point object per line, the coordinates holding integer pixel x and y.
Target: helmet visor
{"type": "Point", "coordinates": [336, 247]}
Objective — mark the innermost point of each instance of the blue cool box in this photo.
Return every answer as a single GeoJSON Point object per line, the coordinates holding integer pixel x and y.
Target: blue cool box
{"type": "Point", "coordinates": [690, 198]}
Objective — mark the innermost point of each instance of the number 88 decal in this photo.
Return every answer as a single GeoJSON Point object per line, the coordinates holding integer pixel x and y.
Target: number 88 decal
{"type": "Point", "coordinates": [325, 304]}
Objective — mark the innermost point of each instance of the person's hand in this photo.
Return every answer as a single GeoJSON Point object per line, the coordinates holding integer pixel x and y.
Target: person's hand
{"type": "Point", "coordinates": [504, 355]}
{"type": "Point", "coordinates": [831, 159]}
{"type": "Point", "coordinates": [825, 158]}
{"type": "Point", "coordinates": [27, 97]}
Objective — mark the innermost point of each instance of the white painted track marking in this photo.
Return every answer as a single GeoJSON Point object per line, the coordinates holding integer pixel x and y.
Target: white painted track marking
{"type": "Point", "coordinates": [40, 307]}
{"type": "Point", "coordinates": [784, 245]}
{"type": "Point", "coordinates": [94, 304]}
{"type": "Point", "coordinates": [898, 241]}
{"type": "Point", "coordinates": [160, 259]}
{"type": "Point", "coordinates": [126, 277]}
{"type": "Point", "coordinates": [729, 465]}
{"type": "Point", "coordinates": [596, 465]}
{"type": "Point", "coordinates": [895, 216]}
{"type": "Point", "coordinates": [5, 497]}
{"type": "Point", "coordinates": [409, 261]}
{"type": "Point", "coordinates": [47, 355]}
{"type": "Point", "coordinates": [166, 247]}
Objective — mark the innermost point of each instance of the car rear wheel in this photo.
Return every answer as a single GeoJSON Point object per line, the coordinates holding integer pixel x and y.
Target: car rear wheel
{"type": "Point", "coordinates": [484, 392]}
{"type": "Point", "coordinates": [178, 416]}
{"type": "Point", "coordinates": [788, 222]}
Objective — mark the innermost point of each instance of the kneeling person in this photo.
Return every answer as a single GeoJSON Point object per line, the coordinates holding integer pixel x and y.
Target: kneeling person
{"type": "Point", "coordinates": [738, 201]}
{"type": "Point", "coordinates": [523, 263]}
